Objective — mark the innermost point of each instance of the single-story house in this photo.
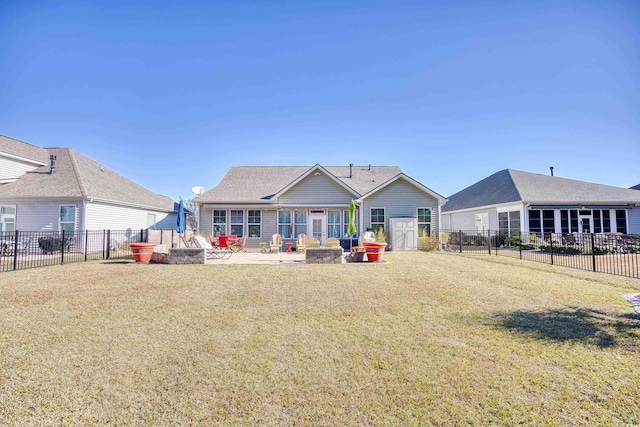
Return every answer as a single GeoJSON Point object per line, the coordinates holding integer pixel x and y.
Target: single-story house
{"type": "Point", "coordinates": [260, 201]}
{"type": "Point", "coordinates": [56, 189]}
{"type": "Point", "coordinates": [513, 201]}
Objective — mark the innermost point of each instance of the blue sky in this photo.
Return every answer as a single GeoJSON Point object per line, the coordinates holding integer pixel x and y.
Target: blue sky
{"type": "Point", "coordinates": [171, 94]}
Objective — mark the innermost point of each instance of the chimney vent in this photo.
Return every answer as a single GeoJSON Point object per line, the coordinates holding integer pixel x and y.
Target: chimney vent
{"type": "Point", "coordinates": [551, 167]}
{"type": "Point", "coordinates": [369, 167]}
{"type": "Point", "coordinates": [52, 169]}
{"type": "Point", "coordinates": [350, 170]}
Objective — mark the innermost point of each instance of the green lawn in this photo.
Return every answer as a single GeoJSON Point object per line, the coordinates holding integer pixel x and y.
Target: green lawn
{"type": "Point", "coordinates": [429, 338]}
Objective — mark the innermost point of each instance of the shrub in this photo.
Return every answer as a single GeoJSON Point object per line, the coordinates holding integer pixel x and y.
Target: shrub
{"type": "Point", "coordinates": [428, 243]}
{"type": "Point", "coordinates": [560, 249]}
{"type": "Point", "coordinates": [381, 235]}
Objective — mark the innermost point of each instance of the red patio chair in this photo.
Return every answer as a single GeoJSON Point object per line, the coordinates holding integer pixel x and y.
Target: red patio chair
{"type": "Point", "coordinates": [239, 245]}
{"type": "Point", "coordinates": [223, 243]}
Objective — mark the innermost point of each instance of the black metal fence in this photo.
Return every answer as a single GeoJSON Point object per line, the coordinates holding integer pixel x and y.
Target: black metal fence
{"type": "Point", "coordinates": [20, 250]}
{"type": "Point", "coordinates": [612, 253]}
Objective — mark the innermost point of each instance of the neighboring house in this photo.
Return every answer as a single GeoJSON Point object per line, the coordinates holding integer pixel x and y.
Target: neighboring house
{"type": "Point", "coordinates": [55, 189]}
{"type": "Point", "coordinates": [513, 201]}
{"type": "Point", "coordinates": [636, 187]}
{"type": "Point", "coordinates": [290, 200]}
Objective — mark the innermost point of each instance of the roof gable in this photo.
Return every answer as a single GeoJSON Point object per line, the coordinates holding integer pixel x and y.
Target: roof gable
{"type": "Point", "coordinates": [410, 181]}
{"type": "Point", "coordinates": [261, 184]}
{"type": "Point", "coordinates": [316, 170]}
{"type": "Point", "coordinates": [496, 189]}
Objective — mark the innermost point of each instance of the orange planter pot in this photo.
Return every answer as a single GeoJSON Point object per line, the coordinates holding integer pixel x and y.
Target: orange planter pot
{"type": "Point", "coordinates": [142, 251]}
{"type": "Point", "coordinates": [375, 251]}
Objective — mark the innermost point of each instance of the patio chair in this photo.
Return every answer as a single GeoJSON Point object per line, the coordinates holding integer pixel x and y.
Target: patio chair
{"type": "Point", "coordinates": [210, 252]}
{"type": "Point", "coordinates": [238, 246]}
{"type": "Point", "coordinates": [301, 244]}
{"type": "Point", "coordinates": [313, 242]}
{"type": "Point", "coordinates": [213, 241]}
{"type": "Point", "coordinates": [332, 242]}
{"type": "Point", "coordinates": [276, 243]}
{"type": "Point", "coordinates": [223, 242]}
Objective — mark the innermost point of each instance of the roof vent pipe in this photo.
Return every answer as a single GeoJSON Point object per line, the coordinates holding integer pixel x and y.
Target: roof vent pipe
{"type": "Point", "coordinates": [52, 169]}
{"type": "Point", "coordinates": [369, 167]}
{"type": "Point", "coordinates": [350, 170]}
{"type": "Point", "coordinates": [551, 167]}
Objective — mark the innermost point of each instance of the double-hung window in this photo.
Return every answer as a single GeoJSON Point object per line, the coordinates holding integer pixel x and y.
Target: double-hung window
{"type": "Point", "coordinates": [7, 218]}
{"type": "Point", "coordinates": [219, 223]}
{"type": "Point", "coordinates": [254, 223]}
{"type": "Point", "coordinates": [424, 221]}
{"type": "Point", "coordinates": [300, 223]}
{"type": "Point", "coordinates": [333, 223]}
{"type": "Point", "coordinates": [67, 217]}
{"type": "Point", "coordinates": [284, 224]}
{"type": "Point", "coordinates": [377, 219]}
{"type": "Point", "coordinates": [237, 223]}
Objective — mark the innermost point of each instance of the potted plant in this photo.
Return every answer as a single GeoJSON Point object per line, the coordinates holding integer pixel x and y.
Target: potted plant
{"type": "Point", "coordinates": [142, 251]}
{"type": "Point", "coordinates": [375, 249]}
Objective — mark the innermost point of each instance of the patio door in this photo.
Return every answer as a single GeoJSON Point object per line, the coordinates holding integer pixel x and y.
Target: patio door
{"type": "Point", "coordinates": [318, 227]}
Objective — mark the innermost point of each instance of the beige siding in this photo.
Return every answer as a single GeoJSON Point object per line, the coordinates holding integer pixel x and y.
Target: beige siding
{"type": "Point", "coordinates": [400, 199]}
{"type": "Point", "coordinates": [317, 190]}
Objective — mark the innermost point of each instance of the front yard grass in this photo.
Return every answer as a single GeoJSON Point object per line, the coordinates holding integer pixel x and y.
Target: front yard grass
{"type": "Point", "coordinates": [429, 338]}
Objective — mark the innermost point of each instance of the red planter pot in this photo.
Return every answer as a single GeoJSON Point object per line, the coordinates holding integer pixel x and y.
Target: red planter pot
{"type": "Point", "coordinates": [375, 251]}
{"type": "Point", "coordinates": [142, 251]}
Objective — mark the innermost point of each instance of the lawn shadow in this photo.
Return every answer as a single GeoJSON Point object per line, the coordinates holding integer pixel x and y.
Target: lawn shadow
{"type": "Point", "coordinates": [587, 326]}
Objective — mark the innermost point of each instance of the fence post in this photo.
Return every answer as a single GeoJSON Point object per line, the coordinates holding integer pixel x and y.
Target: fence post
{"type": "Point", "coordinates": [489, 240]}
{"type": "Point", "coordinates": [551, 246]}
{"type": "Point", "coordinates": [520, 243]}
{"type": "Point", "coordinates": [15, 250]}
{"type": "Point", "coordinates": [86, 244]}
{"type": "Point", "coordinates": [108, 244]}
{"type": "Point", "coordinates": [593, 251]}
{"type": "Point", "coordinates": [460, 240]}
{"type": "Point", "coordinates": [62, 249]}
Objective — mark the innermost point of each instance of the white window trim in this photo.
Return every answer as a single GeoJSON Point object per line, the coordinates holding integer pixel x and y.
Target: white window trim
{"type": "Point", "coordinates": [214, 223]}
{"type": "Point", "coordinates": [243, 223]}
{"type": "Point", "coordinates": [430, 216]}
{"type": "Point", "coordinates": [15, 214]}
{"type": "Point", "coordinates": [384, 214]}
{"type": "Point", "coordinates": [75, 216]}
{"type": "Point", "coordinates": [252, 223]}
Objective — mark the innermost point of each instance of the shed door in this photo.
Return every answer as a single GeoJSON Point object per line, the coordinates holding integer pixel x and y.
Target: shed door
{"type": "Point", "coordinates": [404, 234]}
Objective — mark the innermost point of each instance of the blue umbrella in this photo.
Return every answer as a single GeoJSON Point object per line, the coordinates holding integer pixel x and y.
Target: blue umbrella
{"type": "Point", "coordinates": [182, 218]}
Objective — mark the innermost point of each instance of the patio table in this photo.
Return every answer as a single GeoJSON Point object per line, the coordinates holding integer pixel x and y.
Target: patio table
{"type": "Point", "coordinates": [263, 247]}
{"type": "Point", "coordinates": [289, 246]}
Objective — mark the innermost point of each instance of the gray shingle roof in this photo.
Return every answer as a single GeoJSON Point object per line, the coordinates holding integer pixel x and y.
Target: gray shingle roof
{"type": "Point", "coordinates": [77, 175]}
{"type": "Point", "coordinates": [260, 183]}
{"type": "Point", "coordinates": [511, 185]}
{"type": "Point", "coordinates": [23, 149]}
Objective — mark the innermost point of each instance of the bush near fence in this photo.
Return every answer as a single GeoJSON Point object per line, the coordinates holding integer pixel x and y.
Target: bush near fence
{"type": "Point", "coordinates": [613, 253]}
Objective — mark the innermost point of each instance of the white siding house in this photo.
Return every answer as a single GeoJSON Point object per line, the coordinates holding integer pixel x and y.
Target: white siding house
{"type": "Point", "coordinates": [55, 189]}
